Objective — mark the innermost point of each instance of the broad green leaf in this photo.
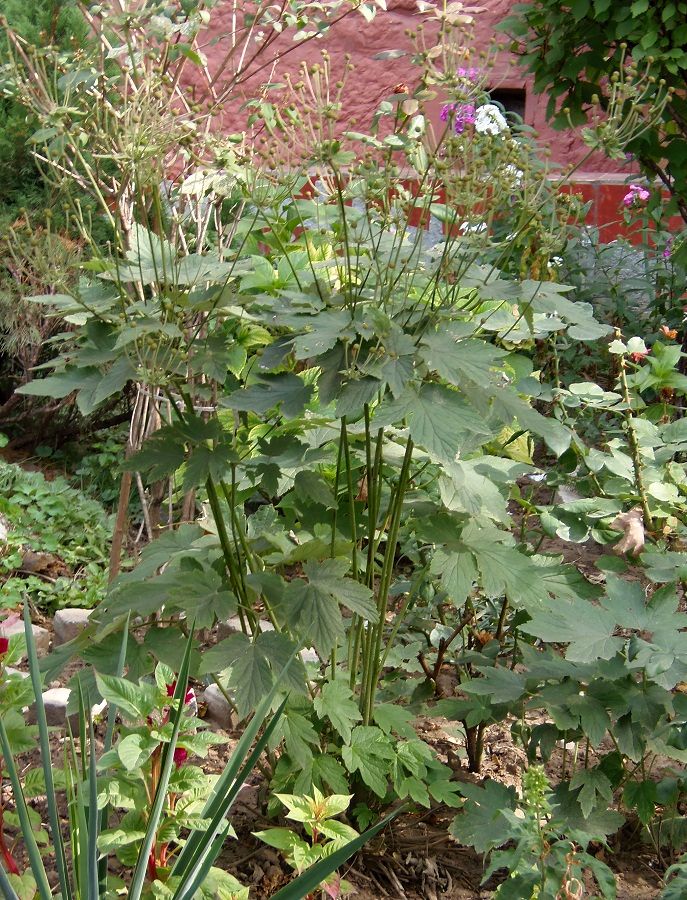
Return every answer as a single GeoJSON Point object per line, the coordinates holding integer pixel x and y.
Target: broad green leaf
{"type": "Point", "coordinates": [136, 701]}
{"type": "Point", "coordinates": [370, 753]}
{"type": "Point", "coordinates": [480, 823]}
{"type": "Point", "coordinates": [135, 749]}
{"type": "Point", "coordinates": [594, 790]}
{"type": "Point", "coordinates": [335, 702]}
{"type": "Point", "coordinates": [586, 628]}
{"type": "Point", "coordinates": [461, 361]}
{"type": "Point", "coordinates": [457, 571]}
{"type": "Point", "coordinates": [393, 718]}
{"type": "Point", "coordinates": [284, 389]}
{"type": "Point", "coordinates": [641, 795]}
{"type": "Point", "coordinates": [313, 486]}
{"type": "Point", "coordinates": [501, 684]}
{"type": "Point", "coordinates": [438, 419]}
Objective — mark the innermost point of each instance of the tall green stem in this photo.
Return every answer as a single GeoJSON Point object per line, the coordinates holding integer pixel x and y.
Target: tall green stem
{"type": "Point", "coordinates": [372, 661]}
{"type": "Point", "coordinates": [634, 447]}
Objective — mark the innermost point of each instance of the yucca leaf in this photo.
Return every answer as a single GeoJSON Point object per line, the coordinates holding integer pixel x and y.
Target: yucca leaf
{"type": "Point", "coordinates": [165, 771]}
{"type": "Point", "coordinates": [230, 782]}
{"type": "Point", "coordinates": [309, 880]}
{"type": "Point", "coordinates": [8, 891]}
{"type": "Point", "coordinates": [196, 876]}
{"type": "Point", "coordinates": [93, 817]}
{"type": "Point", "coordinates": [111, 718]}
{"type": "Point", "coordinates": [35, 859]}
{"type": "Point", "coordinates": [46, 761]}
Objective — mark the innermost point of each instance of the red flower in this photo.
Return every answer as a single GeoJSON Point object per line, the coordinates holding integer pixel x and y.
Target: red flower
{"type": "Point", "coordinates": [4, 645]}
{"type": "Point", "coordinates": [190, 693]}
{"type": "Point", "coordinates": [180, 756]}
{"type": "Point", "coordinates": [638, 356]}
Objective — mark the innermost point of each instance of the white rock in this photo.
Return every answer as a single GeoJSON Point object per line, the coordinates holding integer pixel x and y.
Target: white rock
{"type": "Point", "coordinates": [69, 623]}
{"type": "Point", "coordinates": [231, 626]}
{"type": "Point", "coordinates": [566, 494]}
{"type": "Point", "coordinates": [41, 636]}
{"type": "Point", "coordinates": [55, 701]}
{"type": "Point", "coordinates": [10, 671]}
{"type": "Point", "coordinates": [218, 710]}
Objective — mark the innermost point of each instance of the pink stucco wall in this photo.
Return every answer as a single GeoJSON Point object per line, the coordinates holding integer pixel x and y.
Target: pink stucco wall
{"type": "Point", "coordinates": [373, 79]}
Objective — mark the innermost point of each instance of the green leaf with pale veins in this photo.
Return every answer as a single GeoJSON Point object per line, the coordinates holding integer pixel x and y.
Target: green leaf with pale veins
{"type": "Point", "coordinates": [370, 753]}
{"type": "Point", "coordinates": [595, 790]}
{"type": "Point", "coordinates": [330, 575]}
{"type": "Point", "coordinates": [393, 718]}
{"type": "Point", "coordinates": [285, 390]}
{"type": "Point", "coordinates": [459, 361]}
{"type": "Point", "coordinates": [586, 628]}
{"type": "Point", "coordinates": [250, 678]}
{"type": "Point", "coordinates": [439, 420]}
{"type": "Point", "coordinates": [325, 330]}
{"type": "Point", "coordinates": [335, 702]}
{"type": "Point", "coordinates": [480, 823]}
{"type": "Point", "coordinates": [502, 685]}
{"type": "Point", "coordinates": [457, 571]}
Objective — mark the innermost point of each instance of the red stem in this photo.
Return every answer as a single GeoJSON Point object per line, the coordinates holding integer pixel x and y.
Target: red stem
{"type": "Point", "coordinates": [7, 857]}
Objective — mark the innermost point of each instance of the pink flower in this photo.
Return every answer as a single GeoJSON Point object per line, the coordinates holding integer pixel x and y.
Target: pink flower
{"type": "Point", "coordinates": [180, 757]}
{"type": "Point", "coordinates": [637, 194]}
{"type": "Point", "coordinates": [471, 74]}
{"type": "Point", "coordinates": [464, 115]}
{"type": "Point", "coordinates": [638, 356]}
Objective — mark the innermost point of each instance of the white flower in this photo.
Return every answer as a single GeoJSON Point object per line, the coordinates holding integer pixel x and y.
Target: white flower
{"type": "Point", "coordinates": [512, 173]}
{"type": "Point", "coordinates": [477, 228]}
{"type": "Point", "coordinates": [489, 120]}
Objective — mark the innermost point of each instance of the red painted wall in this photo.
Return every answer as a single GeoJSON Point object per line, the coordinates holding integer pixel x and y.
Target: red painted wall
{"type": "Point", "coordinates": [598, 178]}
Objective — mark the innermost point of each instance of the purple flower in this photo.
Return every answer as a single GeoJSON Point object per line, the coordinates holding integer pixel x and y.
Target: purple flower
{"type": "Point", "coordinates": [637, 194]}
{"type": "Point", "coordinates": [465, 115]}
{"type": "Point", "coordinates": [471, 74]}
{"type": "Point", "coordinates": [668, 249]}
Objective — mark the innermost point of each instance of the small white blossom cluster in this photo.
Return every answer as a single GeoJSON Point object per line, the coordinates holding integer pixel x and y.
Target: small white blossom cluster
{"type": "Point", "coordinates": [490, 120]}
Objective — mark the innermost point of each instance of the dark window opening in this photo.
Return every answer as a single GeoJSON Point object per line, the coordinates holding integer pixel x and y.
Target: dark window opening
{"type": "Point", "coordinates": [511, 99]}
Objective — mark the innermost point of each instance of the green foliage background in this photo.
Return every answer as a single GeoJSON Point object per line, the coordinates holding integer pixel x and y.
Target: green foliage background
{"type": "Point", "coordinates": [573, 48]}
{"type": "Point", "coordinates": [41, 22]}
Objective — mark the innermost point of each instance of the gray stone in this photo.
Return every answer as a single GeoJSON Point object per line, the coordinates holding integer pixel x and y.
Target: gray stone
{"type": "Point", "coordinates": [69, 623]}
{"type": "Point", "coordinates": [219, 711]}
{"type": "Point", "coordinates": [231, 626]}
{"type": "Point", "coordinates": [41, 636]}
{"type": "Point", "coordinates": [10, 671]}
{"type": "Point", "coordinates": [55, 701]}
{"type": "Point", "coordinates": [566, 494]}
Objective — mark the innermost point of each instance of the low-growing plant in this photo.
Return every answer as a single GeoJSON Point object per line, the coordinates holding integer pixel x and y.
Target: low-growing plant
{"type": "Point", "coordinates": [176, 821]}
{"type": "Point", "coordinates": [324, 833]}
{"type": "Point", "coordinates": [56, 547]}
{"type": "Point", "coordinates": [533, 839]}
